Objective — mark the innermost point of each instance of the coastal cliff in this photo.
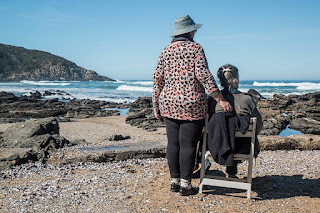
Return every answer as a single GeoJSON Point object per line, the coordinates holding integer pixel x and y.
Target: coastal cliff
{"type": "Point", "coordinates": [18, 63]}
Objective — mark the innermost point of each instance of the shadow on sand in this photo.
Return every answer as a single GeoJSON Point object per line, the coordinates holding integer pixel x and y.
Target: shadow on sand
{"type": "Point", "coordinates": [274, 187]}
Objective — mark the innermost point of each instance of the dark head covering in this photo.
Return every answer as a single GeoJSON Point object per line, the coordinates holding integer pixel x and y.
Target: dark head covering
{"type": "Point", "coordinates": [227, 74]}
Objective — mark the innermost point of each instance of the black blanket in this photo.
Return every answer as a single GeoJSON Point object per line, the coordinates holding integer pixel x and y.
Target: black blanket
{"type": "Point", "coordinates": [221, 135]}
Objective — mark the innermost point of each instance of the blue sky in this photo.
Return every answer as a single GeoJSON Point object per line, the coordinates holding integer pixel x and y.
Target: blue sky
{"type": "Point", "coordinates": [265, 39]}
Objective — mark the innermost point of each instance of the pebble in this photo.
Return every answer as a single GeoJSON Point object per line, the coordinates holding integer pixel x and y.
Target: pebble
{"type": "Point", "coordinates": [112, 186]}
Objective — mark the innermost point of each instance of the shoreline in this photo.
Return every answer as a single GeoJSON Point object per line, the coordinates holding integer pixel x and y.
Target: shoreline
{"type": "Point", "coordinates": [95, 122]}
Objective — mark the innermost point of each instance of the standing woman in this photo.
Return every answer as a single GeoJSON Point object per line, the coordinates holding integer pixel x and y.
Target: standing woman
{"type": "Point", "coordinates": [179, 82]}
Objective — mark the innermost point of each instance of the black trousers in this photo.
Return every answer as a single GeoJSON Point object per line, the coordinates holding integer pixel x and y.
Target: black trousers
{"type": "Point", "coordinates": [183, 137]}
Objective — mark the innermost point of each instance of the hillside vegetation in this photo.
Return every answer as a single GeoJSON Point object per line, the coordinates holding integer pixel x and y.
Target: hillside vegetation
{"type": "Point", "coordinates": [18, 63]}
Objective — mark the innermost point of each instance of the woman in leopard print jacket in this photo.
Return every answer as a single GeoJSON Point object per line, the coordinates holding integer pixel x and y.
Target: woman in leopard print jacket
{"type": "Point", "coordinates": [180, 80]}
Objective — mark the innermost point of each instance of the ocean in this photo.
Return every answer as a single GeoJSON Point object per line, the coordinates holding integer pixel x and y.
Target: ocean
{"type": "Point", "coordinates": [127, 91]}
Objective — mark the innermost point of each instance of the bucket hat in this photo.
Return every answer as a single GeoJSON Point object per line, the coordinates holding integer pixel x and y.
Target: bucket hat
{"type": "Point", "coordinates": [184, 24]}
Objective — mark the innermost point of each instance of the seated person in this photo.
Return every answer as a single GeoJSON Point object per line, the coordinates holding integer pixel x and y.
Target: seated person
{"type": "Point", "coordinates": [242, 103]}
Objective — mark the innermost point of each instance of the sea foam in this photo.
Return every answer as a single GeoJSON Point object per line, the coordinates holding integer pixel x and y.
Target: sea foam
{"type": "Point", "coordinates": [299, 85]}
{"type": "Point", "coordinates": [46, 83]}
{"type": "Point", "coordinates": [145, 83]}
{"type": "Point", "coordinates": [134, 88]}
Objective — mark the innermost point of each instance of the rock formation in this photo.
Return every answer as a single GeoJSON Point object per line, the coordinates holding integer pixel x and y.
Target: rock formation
{"type": "Point", "coordinates": [13, 108]}
{"type": "Point", "coordinates": [140, 114]}
{"type": "Point", "coordinates": [301, 112]}
{"type": "Point", "coordinates": [30, 141]}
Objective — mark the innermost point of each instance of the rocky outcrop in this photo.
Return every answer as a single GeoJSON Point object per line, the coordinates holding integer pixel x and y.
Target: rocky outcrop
{"type": "Point", "coordinates": [302, 142]}
{"type": "Point", "coordinates": [306, 125]}
{"type": "Point", "coordinates": [18, 63]}
{"type": "Point", "coordinates": [14, 108]}
{"type": "Point", "coordinates": [30, 141]}
{"type": "Point", "coordinates": [116, 152]}
{"type": "Point", "coordinates": [301, 112]}
{"type": "Point", "coordinates": [140, 114]}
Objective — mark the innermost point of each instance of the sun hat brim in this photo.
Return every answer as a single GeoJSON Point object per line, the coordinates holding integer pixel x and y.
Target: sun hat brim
{"type": "Point", "coordinates": [186, 30]}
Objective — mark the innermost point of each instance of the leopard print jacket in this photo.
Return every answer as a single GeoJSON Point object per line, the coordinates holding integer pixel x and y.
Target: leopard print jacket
{"type": "Point", "coordinates": [180, 80]}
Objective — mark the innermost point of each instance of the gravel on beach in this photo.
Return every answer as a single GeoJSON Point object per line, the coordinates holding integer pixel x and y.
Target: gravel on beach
{"type": "Point", "coordinates": [284, 181]}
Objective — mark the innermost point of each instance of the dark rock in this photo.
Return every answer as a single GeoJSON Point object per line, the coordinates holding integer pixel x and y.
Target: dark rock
{"type": "Point", "coordinates": [273, 126]}
{"type": "Point", "coordinates": [256, 95]}
{"type": "Point", "coordinates": [48, 93]}
{"type": "Point", "coordinates": [18, 133]}
{"type": "Point", "coordinates": [296, 107]}
{"type": "Point", "coordinates": [7, 97]}
{"type": "Point", "coordinates": [34, 107]}
{"type": "Point", "coordinates": [118, 138]}
{"type": "Point", "coordinates": [35, 95]}
{"type": "Point", "coordinates": [140, 114]}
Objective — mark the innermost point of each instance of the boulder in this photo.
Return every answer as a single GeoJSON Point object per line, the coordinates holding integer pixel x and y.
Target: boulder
{"type": "Point", "coordinates": [273, 124]}
{"type": "Point", "coordinates": [17, 135]}
{"type": "Point", "coordinates": [140, 114]}
{"type": "Point", "coordinates": [306, 125]}
{"type": "Point", "coordinates": [36, 137]}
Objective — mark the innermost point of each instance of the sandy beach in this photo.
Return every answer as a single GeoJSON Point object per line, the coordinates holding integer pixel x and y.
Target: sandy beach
{"type": "Point", "coordinates": [98, 130]}
{"type": "Point", "coordinates": [284, 181]}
